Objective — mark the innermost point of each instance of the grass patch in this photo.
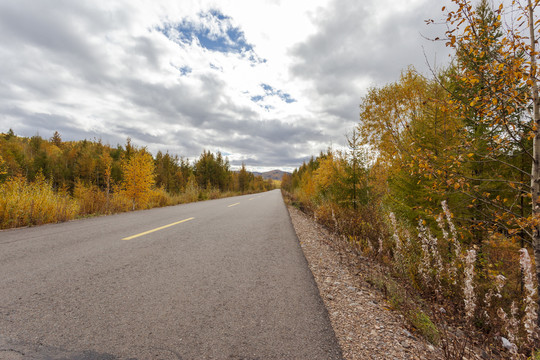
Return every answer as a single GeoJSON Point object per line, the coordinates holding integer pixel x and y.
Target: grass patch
{"type": "Point", "coordinates": [402, 301]}
{"type": "Point", "coordinates": [422, 322]}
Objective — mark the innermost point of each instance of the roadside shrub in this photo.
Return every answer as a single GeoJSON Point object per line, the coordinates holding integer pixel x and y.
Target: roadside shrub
{"type": "Point", "coordinates": [119, 201]}
{"type": "Point", "coordinates": [159, 198]}
{"type": "Point", "coordinates": [90, 198]}
{"type": "Point", "coordinates": [24, 204]}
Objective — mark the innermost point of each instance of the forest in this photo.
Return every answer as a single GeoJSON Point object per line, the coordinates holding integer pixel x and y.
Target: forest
{"type": "Point", "coordinates": [51, 180]}
{"type": "Point", "coordinates": [441, 184]}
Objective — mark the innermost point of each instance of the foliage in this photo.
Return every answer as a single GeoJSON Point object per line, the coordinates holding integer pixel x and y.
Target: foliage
{"type": "Point", "coordinates": [335, 187]}
{"type": "Point", "coordinates": [139, 178]}
{"type": "Point", "coordinates": [212, 171]}
{"type": "Point", "coordinates": [243, 179]}
{"type": "Point", "coordinates": [3, 171]}
{"type": "Point", "coordinates": [90, 199]}
{"type": "Point", "coordinates": [172, 173]}
{"type": "Point", "coordinates": [466, 139]}
{"type": "Point", "coordinates": [36, 203]}
{"type": "Point", "coordinates": [55, 180]}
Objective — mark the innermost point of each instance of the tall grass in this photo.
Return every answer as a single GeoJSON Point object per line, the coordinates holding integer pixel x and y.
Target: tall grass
{"type": "Point", "coordinates": [23, 203]}
{"type": "Point", "coordinates": [91, 199]}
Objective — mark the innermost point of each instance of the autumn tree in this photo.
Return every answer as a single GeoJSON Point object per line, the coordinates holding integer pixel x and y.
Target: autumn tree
{"type": "Point", "coordinates": [139, 179]}
{"type": "Point", "coordinates": [488, 99]}
{"type": "Point", "coordinates": [303, 179]}
{"type": "Point", "coordinates": [106, 162]}
{"type": "Point", "coordinates": [328, 179]}
{"type": "Point", "coordinates": [243, 179]}
{"type": "Point", "coordinates": [40, 161]}
{"type": "Point", "coordinates": [85, 163]}
{"type": "Point", "coordinates": [506, 105]}
{"type": "Point", "coordinates": [415, 140]}
{"type": "Point", "coordinates": [12, 153]}
{"type": "Point", "coordinates": [286, 182]}
{"type": "Point", "coordinates": [3, 170]}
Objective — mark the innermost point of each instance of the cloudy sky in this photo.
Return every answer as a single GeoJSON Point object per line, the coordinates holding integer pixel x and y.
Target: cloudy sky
{"type": "Point", "coordinates": [268, 83]}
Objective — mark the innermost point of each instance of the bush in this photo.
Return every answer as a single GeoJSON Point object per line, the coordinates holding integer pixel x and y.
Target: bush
{"type": "Point", "coordinates": [24, 204]}
{"type": "Point", "coordinates": [159, 198]}
{"type": "Point", "coordinates": [91, 200]}
{"type": "Point", "coordinates": [119, 201]}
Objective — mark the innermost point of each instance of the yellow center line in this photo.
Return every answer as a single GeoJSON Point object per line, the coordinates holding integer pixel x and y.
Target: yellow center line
{"type": "Point", "coordinates": [251, 199]}
{"type": "Point", "coordinates": [156, 229]}
{"type": "Point", "coordinates": [233, 205]}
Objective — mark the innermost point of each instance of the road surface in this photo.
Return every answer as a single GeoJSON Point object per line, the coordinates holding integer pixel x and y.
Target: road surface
{"type": "Point", "coordinates": [221, 279]}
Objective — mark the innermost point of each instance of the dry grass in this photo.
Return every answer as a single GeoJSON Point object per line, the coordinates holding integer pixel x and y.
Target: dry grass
{"type": "Point", "coordinates": [24, 204]}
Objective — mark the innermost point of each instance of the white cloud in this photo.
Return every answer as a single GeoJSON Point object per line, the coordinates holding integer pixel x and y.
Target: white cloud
{"type": "Point", "coordinates": [108, 69]}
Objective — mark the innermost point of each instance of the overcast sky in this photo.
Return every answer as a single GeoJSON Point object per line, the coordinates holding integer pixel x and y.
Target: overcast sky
{"type": "Point", "coordinates": [268, 83]}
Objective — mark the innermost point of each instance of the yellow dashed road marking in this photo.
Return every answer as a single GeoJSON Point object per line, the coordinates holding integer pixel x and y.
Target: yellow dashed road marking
{"type": "Point", "coordinates": [156, 229]}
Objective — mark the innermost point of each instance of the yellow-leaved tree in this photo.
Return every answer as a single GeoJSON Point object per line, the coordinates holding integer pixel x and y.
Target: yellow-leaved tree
{"type": "Point", "coordinates": [138, 171]}
{"type": "Point", "coordinates": [497, 58]}
{"type": "Point", "coordinates": [2, 166]}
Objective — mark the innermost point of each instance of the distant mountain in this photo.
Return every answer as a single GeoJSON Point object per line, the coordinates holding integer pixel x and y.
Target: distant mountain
{"type": "Point", "coordinates": [273, 174]}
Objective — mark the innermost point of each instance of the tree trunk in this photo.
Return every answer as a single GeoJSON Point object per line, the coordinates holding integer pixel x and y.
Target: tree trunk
{"type": "Point", "coordinates": [535, 173]}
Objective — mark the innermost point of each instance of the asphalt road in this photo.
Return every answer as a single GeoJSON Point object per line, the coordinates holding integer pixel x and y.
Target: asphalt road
{"type": "Point", "coordinates": [226, 280]}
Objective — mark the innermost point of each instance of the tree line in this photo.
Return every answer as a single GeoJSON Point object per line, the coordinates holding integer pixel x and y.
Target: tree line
{"type": "Point", "coordinates": [85, 177]}
{"type": "Point", "coordinates": [463, 141]}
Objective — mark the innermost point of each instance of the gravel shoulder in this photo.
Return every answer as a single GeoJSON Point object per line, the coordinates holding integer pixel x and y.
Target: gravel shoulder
{"type": "Point", "coordinates": [366, 328]}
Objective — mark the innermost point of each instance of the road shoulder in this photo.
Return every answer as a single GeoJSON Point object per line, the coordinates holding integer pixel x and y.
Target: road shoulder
{"type": "Point", "coordinates": [363, 323]}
